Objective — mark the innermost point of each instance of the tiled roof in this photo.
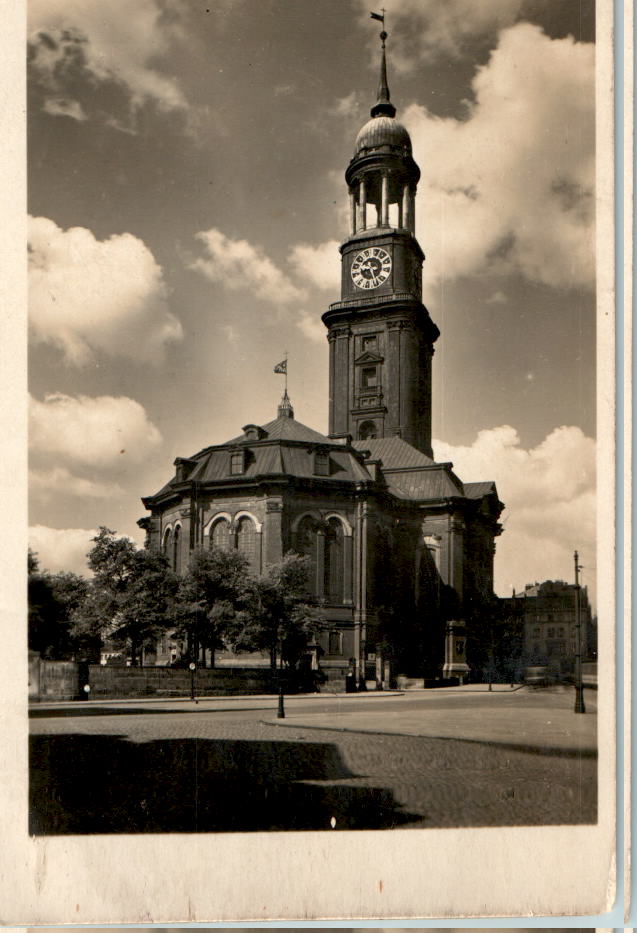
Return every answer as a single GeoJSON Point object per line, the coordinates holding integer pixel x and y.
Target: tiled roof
{"type": "Point", "coordinates": [394, 452]}
{"type": "Point", "coordinates": [287, 429]}
{"type": "Point", "coordinates": [478, 490]}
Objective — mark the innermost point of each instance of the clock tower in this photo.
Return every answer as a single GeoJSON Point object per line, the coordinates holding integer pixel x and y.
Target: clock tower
{"type": "Point", "coordinates": [380, 333]}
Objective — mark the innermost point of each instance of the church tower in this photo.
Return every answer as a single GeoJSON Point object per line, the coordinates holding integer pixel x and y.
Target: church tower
{"type": "Point", "coordinates": [380, 333]}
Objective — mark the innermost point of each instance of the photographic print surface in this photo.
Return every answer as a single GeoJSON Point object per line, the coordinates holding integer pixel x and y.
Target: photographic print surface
{"type": "Point", "coordinates": [314, 395]}
{"type": "Point", "coordinates": [188, 193]}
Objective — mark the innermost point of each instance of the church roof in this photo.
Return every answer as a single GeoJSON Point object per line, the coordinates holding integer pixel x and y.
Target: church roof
{"type": "Point", "coordinates": [478, 490]}
{"type": "Point", "coordinates": [394, 452]}
{"type": "Point", "coordinates": [287, 429]}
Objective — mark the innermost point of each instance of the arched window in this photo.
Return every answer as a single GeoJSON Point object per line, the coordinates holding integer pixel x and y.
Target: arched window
{"type": "Point", "coordinates": [367, 431]}
{"type": "Point", "coordinates": [167, 545]}
{"type": "Point", "coordinates": [333, 580]}
{"type": "Point", "coordinates": [220, 535]}
{"type": "Point", "coordinates": [307, 544]}
{"type": "Point", "coordinates": [176, 561]}
{"type": "Point", "coordinates": [247, 542]}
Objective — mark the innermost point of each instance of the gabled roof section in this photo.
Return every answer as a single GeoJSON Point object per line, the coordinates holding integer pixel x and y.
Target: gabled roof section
{"type": "Point", "coordinates": [394, 452]}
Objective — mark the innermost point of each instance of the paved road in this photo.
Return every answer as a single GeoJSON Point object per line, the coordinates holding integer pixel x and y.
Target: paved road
{"type": "Point", "coordinates": [172, 766]}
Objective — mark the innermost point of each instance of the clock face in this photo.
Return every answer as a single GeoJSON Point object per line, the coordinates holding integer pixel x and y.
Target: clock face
{"type": "Point", "coordinates": [371, 267]}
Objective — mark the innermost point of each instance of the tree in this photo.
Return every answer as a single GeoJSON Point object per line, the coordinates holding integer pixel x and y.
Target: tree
{"type": "Point", "coordinates": [53, 598]}
{"type": "Point", "coordinates": [276, 615]}
{"type": "Point", "coordinates": [131, 597]}
{"type": "Point", "coordinates": [209, 594]}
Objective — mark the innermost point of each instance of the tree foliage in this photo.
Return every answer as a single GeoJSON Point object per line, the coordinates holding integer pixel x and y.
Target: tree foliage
{"type": "Point", "coordinates": [53, 598]}
{"type": "Point", "coordinates": [131, 598]}
{"type": "Point", "coordinates": [208, 597]}
{"type": "Point", "coordinates": [276, 615]}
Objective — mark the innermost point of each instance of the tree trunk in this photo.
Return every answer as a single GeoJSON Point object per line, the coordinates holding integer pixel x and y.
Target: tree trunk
{"type": "Point", "coordinates": [273, 657]}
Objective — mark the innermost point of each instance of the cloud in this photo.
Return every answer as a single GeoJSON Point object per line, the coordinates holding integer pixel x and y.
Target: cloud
{"type": "Point", "coordinates": [50, 484]}
{"type": "Point", "coordinates": [348, 106]}
{"type": "Point", "coordinates": [239, 265]}
{"type": "Point", "coordinates": [87, 295]}
{"type": "Point", "coordinates": [312, 326]}
{"type": "Point", "coordinates": [115, 41]}
{"type": "Point", "coordinates": [321, 264]}
{"type": "Point", "coordinates": [511, 188]}
{"type": "Point", "coordinates": [549, 492]}
{"type": "Point", "coordinates": [62, 548]}
{"type": "Point", "coordinates": [427, 30]}
{"type": "Point", "coordinates": [101, 432]}
{"type": "Point", "coordinates": [497, 298]}
{"type": "Point", "coordinates": [64, 107]}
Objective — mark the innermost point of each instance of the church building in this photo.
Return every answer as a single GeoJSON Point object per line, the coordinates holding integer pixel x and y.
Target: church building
{"type": "Point", "coordinates": [401, 549]}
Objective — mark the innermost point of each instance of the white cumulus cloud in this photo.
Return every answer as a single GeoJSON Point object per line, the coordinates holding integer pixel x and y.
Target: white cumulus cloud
{"type": "Point", "coordinates": [62, 548]}
{"type": "Point", "coordinates": [429, 29]}
{"type": "Point", "coordinates": [102, 432]}
{"type": "Point", "coordinates": [238, 265]}
{"type": "Point", "coordinates": [50, 484]}
{"type": "Point", "coordinates": [319, 265]}
{"type": "Point", "coordinates": [64, 107]}
{"type": "Point", "coordinates": [511, 187]}
{"type": "Point", "coordinates": [549, 493]}
{"type": "Point", "coordinates": [118, 40]}
{"type": "Point", "coordinates": [88, 295]}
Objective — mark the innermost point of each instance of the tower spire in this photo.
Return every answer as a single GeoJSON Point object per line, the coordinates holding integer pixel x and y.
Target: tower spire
{"type": "Point", "coordinates": [383, 105]}
{"type": "Point", "coordinates": [285, 409]}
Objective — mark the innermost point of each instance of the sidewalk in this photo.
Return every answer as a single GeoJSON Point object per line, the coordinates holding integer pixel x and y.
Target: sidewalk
{"type": "Point", "coordinates": [551, 728]}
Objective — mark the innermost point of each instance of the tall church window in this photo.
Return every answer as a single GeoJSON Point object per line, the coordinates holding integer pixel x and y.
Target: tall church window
{"type": "Point", "coordinates": [333, 580]}
{"type": "Point", "coordinates": [247, 542]}
{"type": "Point", "coordinates": [166, 545]}
{"type": "Point", "coordinates": [307, 545]}
{"type": "Point", "coordinates": [367, 431]}
{"type": "Point", "coordinates": [220, 535]}
{"type": "Point", "coordinates": [176, 561]}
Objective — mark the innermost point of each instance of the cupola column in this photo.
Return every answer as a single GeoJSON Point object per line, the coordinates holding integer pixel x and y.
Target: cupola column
{"type": "Point", "coordinates": [384, 202]}
{"type": "Point", "coordinates": [362, 204]}
{"type": "Point", "coordinates": [352, 212]}
{"type": "Point", "coordinates": [405, 207]}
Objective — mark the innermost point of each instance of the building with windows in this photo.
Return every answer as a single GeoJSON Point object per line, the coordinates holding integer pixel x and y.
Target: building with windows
{"type": "Point", "coordinates": [401, 549]}
{"type": "Point", "coordinates": [549, 613]}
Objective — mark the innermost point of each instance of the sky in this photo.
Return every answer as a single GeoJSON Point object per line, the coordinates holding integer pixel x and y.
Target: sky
{"type": "Point", "coordinates": [186, 200]}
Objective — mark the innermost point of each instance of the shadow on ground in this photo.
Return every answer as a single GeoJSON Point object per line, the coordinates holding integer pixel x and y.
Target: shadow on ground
{"type": "Point", "coordinates": [106, 784]}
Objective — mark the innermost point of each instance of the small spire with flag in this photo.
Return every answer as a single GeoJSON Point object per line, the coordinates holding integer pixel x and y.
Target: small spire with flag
{"type": "Point", "coordinates": [379, 16]}
{"type": "Point", "coordinates": [282, 367]}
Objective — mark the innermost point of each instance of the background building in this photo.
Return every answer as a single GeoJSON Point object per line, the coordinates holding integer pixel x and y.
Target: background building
{"type": "Point", "coordinates": [548, 611]}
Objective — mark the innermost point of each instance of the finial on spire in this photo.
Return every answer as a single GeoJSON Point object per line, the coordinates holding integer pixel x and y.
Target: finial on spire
{"type": "Point", "coordinates": [285, 409]}
{"type": "Point", "coordinates": [383, 105]}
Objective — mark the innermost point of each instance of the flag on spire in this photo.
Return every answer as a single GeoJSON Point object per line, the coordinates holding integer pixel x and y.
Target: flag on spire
{"type": "Point", "coordinates": [281, 367]}
{"type": "Point", "coordinates": [379, 16]}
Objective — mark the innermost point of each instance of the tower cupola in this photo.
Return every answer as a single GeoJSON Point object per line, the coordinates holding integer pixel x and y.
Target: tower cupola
{"type": "Point", "coordinates": [382, 175]}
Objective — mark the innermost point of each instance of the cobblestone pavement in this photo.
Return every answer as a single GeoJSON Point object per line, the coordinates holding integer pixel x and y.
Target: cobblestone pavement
{"type": "Point", "coordinates": [206, 771]}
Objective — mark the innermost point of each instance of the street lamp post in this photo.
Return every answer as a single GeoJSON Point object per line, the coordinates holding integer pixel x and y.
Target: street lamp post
{"type": "Point", "coordinates": [579, 687]}
{"type": "Point", "coordinates": [193, 668]}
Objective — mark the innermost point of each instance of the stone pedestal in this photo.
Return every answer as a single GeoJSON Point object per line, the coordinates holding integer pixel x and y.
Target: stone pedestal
{"type": "Point", "coordinates": [455, 651]}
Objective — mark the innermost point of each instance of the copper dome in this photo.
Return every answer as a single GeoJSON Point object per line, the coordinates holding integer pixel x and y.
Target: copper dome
{"type": "Point", "coordinates": [383, 131]}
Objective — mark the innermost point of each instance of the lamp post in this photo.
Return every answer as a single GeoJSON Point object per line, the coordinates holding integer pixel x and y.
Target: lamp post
{"type": "Point", "coordinates": [579, 688]}
{"type": "Point", "coordinates": [193, 668]}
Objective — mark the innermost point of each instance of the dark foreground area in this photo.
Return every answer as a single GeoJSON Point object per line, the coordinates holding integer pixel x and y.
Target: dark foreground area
{"type": "Point", "coordinates": [225, 770]}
